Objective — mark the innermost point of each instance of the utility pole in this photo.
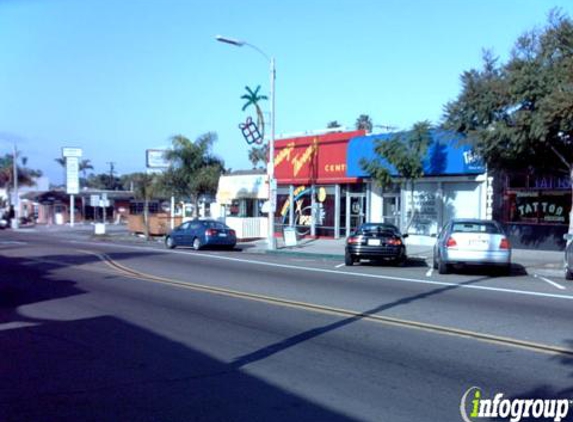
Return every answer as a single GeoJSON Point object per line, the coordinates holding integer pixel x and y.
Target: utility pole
{"type": "Point", "coordinates": [111, 172]}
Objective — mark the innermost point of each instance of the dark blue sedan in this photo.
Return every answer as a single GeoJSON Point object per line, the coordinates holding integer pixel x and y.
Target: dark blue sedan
{"type": "Point", "coordinates": [202, 233]}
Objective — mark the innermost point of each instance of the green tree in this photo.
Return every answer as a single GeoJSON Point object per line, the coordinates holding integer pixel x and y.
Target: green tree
{"type": "Point", "coordinates": [253, 98]}
{"type": "Point", "coordinates": [404, 152]}
{"type": "Point", "coordinates": [146, 187]}
{"type": "Point", "coordinates": [259, 155]}
{"type": "Point", "coordinates": [194, 169]}
{"type": "Point", "coordinates": [26, 176]}
{"type": "Point", "coordinates": [519, 115]}
{"type": "Point", "coordinates": [364, 122]}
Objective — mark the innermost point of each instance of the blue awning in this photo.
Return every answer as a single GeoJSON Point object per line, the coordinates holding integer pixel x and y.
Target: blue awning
{"type": "Point", "coordinates": [446, 155]}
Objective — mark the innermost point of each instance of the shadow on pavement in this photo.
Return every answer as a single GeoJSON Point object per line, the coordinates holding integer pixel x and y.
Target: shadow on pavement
{"type": "Point", "coordinates": [104, 368]}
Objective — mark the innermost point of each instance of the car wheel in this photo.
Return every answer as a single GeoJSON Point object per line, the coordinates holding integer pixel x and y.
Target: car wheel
{"type": "Point", "coordinates": [348, 260]}
{"type": "Point", "coordinates": [568, 274]}
{"type": "Point", "coordinates": [443, 268]}
{"type": "Point", "coordinates": [197, 244]}
{"type": "Point", "coordinates": [435, 265]}
{"type": "Point", "coordinates": [170, 243]}
{"type": "Point", "coordinates": [401, 261]}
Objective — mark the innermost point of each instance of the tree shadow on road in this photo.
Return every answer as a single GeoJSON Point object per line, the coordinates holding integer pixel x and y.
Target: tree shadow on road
{"type": "Point", "coordinates": [272, 349]}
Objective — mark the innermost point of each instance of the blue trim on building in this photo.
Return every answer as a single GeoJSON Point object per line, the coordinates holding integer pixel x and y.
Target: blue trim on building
{"type": "Point", "coordinates": [446, 155]}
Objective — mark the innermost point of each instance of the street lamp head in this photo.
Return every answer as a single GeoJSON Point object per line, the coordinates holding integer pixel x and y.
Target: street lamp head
{"type": "Point", "coordinates": [231, 41]}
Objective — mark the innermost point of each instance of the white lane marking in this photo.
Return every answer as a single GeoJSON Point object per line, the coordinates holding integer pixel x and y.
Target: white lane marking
{"type": "Point", "coordinates": [340, 265]}
{"type": "Point", "coordinates": [338, 272]}
{"type": "Point", "coordinates": [430, 272]}
{"type": "Point", "coordinates": [559, 286]}
{"type": "Point", "coordinates": [12, 242]}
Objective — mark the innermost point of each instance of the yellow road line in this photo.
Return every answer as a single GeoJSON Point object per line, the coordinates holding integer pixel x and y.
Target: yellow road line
{"type": "Point", "coordinates": [329, 310]}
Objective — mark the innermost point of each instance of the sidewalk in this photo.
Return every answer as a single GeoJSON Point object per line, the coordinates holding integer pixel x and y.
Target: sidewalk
{"type": "Point", "coordinates": [543, 263]}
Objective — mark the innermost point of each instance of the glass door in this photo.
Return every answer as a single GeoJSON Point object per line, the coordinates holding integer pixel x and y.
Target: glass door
{"type": "Point", "coordinates": [357, 210]}
{"type": "Point", "coordinates": [391, 210]}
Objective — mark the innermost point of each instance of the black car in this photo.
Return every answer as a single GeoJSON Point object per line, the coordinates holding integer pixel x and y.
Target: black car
{"type": "Point", "coordinates": [376, 241]}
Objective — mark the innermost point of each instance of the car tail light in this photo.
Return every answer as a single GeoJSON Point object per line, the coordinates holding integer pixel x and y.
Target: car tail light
{"type": "Point", "coordinates": [394, 242]}
{"type": "Point", "coordinates": [451, 243]}
{"type": "Point", "coordinates": [210, 232]}
{"type": "Point", "coordinates": [504, 244]}
{"type": "Point", "coordinates": [232, 232]}
{"type": "Point", "coordinates": [353, 240]}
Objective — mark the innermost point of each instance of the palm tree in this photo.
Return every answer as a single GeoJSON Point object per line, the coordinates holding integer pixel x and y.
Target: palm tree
{"type": "Point", "coordinates": [364, 122]}
{"type": "Point", "coordinates": [259, 154]}
{"type": "Point", "coordinates": [194, 170]}
{"type": "Point", "coordinates": [253, 98]}
{"type": "Point", "coordinates": [145, 187]}
{"type": "Point", "coordinates": [84, 166]}
{"type": "Point", "coordinates": [26, 176]}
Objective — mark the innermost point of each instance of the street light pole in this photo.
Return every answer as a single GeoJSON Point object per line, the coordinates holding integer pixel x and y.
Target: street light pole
{"type": "Point", "coordinates": [16, 197]}
{"type": "Point", "coordinates": [271, 244]}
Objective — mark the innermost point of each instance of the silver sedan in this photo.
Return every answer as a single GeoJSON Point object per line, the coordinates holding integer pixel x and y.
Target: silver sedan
{"type": "Point", "coordinates": [472, 242]}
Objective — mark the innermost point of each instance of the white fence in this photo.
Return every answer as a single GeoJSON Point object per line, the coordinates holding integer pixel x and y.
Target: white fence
{"type": "Point", "coordinates": [248, 227]}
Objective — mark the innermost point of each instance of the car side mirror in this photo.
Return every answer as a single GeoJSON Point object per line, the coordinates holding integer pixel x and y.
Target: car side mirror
{"type": "Point", "coordinates": [434, 235]}
{"type": "Point", "coordinates": [405, 235]}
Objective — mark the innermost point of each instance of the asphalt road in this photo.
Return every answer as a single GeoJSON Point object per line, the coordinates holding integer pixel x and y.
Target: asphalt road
{"type": "Point", "coordinates": [107, 332]}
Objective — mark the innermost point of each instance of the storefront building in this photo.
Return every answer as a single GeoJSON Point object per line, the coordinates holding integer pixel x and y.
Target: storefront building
{"type": "Point", "coordinates": [455, 185]}
{"type": "Point", "coordinates": [323, 189]}
{"type": "Point", "coordinates": [535, 208]}
{"type": "Point", "coordinates": [314, 192]}
{"type": "Point", "coordinates": [241, 197]}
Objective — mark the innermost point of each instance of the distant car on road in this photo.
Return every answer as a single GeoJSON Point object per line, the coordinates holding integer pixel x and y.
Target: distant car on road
{"type": "Point", "coordinates": [569, 257]}
{"type": "Point", "coordinates": [375, 241]}
{"type": "Point", "coordinates": [202, 233]}
{"type": "Point", "coordinates": [472, 242]}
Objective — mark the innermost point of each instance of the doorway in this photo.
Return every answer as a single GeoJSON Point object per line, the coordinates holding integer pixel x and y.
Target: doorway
{"type": "Point", "coordinates": [356, 210]}
{"type": "Point", "coordinates": [391, 209]}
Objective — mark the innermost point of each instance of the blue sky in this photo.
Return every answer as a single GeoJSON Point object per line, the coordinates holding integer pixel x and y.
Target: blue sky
{"type": "Point", "coordinates": [118, 77]}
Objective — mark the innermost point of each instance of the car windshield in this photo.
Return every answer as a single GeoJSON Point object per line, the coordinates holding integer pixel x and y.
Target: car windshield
{"type": "Point", "coordinates": [215, 225]}
{"type": "Point", "coordinates": [378, 228]}
{"type": "Point", "coordinates": [475, 227]}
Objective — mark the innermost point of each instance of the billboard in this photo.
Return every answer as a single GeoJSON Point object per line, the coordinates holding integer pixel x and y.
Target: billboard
{"type": "Point", "coordinates": [155, 159]}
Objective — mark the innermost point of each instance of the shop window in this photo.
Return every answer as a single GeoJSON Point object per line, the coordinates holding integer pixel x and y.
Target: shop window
{"type": "Point", "coordinates": [537, 207]}
{"type": "Point", "coordinates": [245, 208]}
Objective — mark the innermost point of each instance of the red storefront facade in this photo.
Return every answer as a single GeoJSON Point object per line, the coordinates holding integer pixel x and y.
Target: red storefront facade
{"type": "Point", "coordinates": [311, 178]}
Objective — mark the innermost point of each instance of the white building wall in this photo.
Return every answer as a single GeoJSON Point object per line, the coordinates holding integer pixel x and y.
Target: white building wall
{"type": "Point", "coordinates": [376, 203]}
{"type": "Point", "coordinates": [435, 201]}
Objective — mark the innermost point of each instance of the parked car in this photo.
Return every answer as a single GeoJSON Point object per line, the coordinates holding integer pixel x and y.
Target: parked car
{"type": "Point", "coordinates": [375, 241]}
{"type": "Point", "coordinates": [472, 242]}
{"type": "Point", "coordinates": [569, 257]}
{"type": "Point", "coordinates": [202, 233]}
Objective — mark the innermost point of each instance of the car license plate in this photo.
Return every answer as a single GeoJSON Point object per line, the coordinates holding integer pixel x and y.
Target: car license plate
{"type": "Point", "coordinates": [479, 242]}
{"type": "Point", "coordinates": [373, 242]}
{"type": "Point", "coordinates": [222, 234]}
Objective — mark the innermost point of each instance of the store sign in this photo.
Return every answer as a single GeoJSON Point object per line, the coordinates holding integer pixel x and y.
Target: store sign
{"type": "Point", "coordinates": [72, 175]}
{"type": "Point", "coordinates": [319, 159]}
{"type": "Point", "coordinates": [541, 207]}
{"type": "Point", "coordinates": [550, 182]}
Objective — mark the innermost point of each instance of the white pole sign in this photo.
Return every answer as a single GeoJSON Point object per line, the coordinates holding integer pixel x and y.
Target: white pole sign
{"type": "Point", "coordinates": [72, 175]}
